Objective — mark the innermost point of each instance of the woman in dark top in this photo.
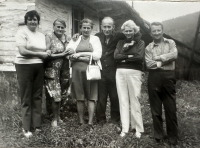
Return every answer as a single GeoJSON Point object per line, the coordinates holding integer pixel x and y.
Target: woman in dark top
{"type": "Point", "coordinates": [85, 46]}
{"type": "Point", "coordinates": [129, 56]}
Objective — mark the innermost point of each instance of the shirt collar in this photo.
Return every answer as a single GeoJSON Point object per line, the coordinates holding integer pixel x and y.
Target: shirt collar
{"type": "Point", "coordinates": [154, 44]}
{"type": "Point", "coordinates": [113, 34]}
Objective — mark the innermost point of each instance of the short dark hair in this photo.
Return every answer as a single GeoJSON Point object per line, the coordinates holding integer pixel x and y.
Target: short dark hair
{"type": "Point", "coordinates": [61, 21]}
{"type": "Point", "coordinates": [156, 24]}
{"type": "Point", "coordinates": [31, 14]}
{"type": "Point", "coordinates": [86, 20]}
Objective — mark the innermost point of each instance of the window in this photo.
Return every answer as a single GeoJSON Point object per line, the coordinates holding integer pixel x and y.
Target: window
{"type": "Point", "coordinates": [77, 16]}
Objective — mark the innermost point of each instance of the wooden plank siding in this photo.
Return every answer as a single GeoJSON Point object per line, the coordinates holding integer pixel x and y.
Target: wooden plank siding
{"type": "Point", "coordinates": [8, 52]}
{"type": "Point", "coordinates": [11, 14]}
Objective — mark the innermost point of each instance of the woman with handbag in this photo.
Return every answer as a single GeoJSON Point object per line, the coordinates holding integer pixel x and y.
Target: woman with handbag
{"type": "Point", "coordinates": [84, 47]}
{"type": "Point", "coordinates": [56, 44]}
{"type": "Point", "coordinates": [129, 56]}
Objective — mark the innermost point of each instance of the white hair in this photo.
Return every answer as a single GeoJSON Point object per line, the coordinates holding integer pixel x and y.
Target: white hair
{"type": "Point", "coordinates": [108, 18]}
{"type": "Point", "coordinates": [132, 25]}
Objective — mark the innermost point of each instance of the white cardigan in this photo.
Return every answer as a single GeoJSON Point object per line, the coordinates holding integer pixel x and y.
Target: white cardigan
{"type": "Point", "coordinates": [96, 44]}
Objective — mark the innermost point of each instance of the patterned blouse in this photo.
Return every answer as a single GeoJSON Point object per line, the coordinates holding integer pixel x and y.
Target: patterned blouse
{"type": "Point", "coordinates": [54, 66]}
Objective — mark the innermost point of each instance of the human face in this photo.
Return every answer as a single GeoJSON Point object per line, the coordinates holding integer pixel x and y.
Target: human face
{"type": "Point", "coordinates": [156, 32]}
{"type": "Point", "coordinates": [128, 32]}
{"type": "Point", "coordinates": [59, 28]}
{"type": "Point", "coordinates": [32, 23]}
{"type": "Point", "coordinates": [86, 29]}
{"type": "Point", "coordinates": [107, 27]}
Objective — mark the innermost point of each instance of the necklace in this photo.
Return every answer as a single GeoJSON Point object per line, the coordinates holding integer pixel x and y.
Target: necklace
{"type": "Point", "coordinates": [85, 39]}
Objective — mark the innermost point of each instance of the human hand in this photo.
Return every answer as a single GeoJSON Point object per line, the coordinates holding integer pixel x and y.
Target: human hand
{"type": "Point", "coordinates": [69, 51]}
{"type": "Point", "coordinates": [75, 37]}
{"type": "Point", "coordinates": [69, 57]}
{"type": "Point", "coordinates": [132, 43]}
{"type": "Point", "coordinates": [48, 52]}
{"type": "Point", "coordinates": [125, 47]}
{"type": "Point", "coordinates": [143, 77]}
{"type": "Point", "coordinates": [130, 56]}
{"type": "Point", "coordinates": [43, 55]}
{"type": "Point", "coordinates": [159, 64]}
{"type": "Point", "coordinates": [75, 56]}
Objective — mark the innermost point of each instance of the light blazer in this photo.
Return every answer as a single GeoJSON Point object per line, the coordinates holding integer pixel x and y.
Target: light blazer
{"type": "Point", "coordinates": [96, 44]}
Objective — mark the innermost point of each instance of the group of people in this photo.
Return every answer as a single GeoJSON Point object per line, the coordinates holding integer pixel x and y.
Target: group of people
{"type": "Point", "coordinates": [120, 56]}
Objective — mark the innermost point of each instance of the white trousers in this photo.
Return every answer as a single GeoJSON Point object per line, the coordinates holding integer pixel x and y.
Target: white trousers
{"type": "Point", "coordinates": [129, 90]}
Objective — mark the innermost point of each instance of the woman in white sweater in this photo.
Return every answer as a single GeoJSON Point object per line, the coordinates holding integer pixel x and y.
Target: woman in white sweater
{"type": "Point", "coordinates": [30, 71]}
{"type": "Point", "coordinates": [84, 47]}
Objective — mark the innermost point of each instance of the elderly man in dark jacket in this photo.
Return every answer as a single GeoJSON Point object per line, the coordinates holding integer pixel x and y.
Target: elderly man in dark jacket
{"type": "Point", "coordinates": [107, 85]}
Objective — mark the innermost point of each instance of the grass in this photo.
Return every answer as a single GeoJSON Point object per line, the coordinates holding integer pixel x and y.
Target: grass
{"type": "Point", "coordinates": [70, 134]}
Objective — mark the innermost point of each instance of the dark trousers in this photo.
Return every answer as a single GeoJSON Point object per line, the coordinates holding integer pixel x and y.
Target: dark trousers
{"type": "Point", "coordinates": [161, 87]}
{"type": "Point", "coordinates": [107, 87]}
{"type": "Point", "coordinates": [30, 79]}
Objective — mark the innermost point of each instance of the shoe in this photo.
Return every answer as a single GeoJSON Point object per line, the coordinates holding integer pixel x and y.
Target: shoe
{"type": "Point", "coordinates": [27, 134]}
{"type": "Point", "coordinates": [37, 130]}
{"type": "Point", "coordinates": [102, 122]}
{"type": "Point", "coordinates": [91, 128]}
{"type": "Point", "coordinates": [54, 123]}
{"type": "Point", "coordinates": [118, 129]}
{"type": "Point", "coordinates": [60, 121]}
{"type": "Point", "coordinates": [137, 134]}
{"type": "Point", "coordinates": [173, 143]}
{"type": "Point", "coordinates": [158, 141]}
{"type": "Point", "coordinates": [123, 134]}
{"type": "Point", "coordinates": [80, 123]}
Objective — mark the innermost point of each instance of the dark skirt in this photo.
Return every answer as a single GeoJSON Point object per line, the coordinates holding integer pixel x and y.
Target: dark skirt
{"type": "Point", "coordinates": [82, 88]}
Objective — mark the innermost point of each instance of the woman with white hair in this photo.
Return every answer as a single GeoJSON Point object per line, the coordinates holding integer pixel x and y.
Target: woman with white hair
{"type": "Point", "coordinates": [129, 56]}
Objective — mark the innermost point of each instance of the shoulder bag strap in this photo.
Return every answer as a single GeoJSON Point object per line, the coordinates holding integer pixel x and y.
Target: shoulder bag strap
{"type": "Point", "coordinates": [90, 63]}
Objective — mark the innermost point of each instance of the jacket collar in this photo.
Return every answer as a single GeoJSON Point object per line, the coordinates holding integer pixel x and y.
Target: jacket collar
{"type": "Point", "coordinates": [154, 44]}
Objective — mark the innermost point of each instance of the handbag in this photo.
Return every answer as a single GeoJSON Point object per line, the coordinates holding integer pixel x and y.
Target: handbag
{"type": "Point", "coordinates": [93, 71]}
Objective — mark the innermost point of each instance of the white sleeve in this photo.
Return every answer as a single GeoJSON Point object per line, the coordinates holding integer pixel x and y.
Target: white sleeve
{"type": "Point", "coordinates": [71, 45]}
{"type": "Point", "coordinates": [21, 38]}
{"type": "Point", "coordinates": [96, 44]}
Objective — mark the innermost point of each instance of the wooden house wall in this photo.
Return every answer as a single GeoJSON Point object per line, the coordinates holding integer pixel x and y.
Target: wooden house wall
{"type": "Point", "coordinates": [50, 10]}
{"type": "Point", "coordinates": [183, 71]}
{"type": "Point", "coordinates": [182, 67]}
{"type": "Point", "coordinates": [11, 14]}
{"type": "Point", "coordinates": [195, 72]}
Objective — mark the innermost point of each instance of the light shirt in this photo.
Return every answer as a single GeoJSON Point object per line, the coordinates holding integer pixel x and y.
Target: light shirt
{"type": "Point", "coordinates": [167, 52]}
{"type": "Point", "coordinates": [27, 38]}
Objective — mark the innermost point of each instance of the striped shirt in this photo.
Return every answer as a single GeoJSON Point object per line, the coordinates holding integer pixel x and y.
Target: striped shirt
{"type": "Point", "coordinates": [167, 53]}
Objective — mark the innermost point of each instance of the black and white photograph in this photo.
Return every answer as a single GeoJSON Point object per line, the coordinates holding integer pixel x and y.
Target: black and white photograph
{"type": "Point", "coordinates": [135, 85]}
